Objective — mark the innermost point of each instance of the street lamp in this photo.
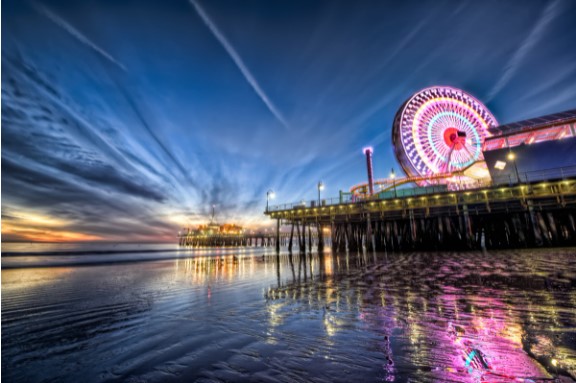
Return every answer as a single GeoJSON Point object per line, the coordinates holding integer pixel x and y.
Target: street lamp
{"type": "Point", "coordinates": [320, 187]}
{"type": "Point", "coordinates": [269, 195]}
{"type": "Point", "coordinates": [512, 157]}
{"type": "Point", "coordinates": [393, 178]}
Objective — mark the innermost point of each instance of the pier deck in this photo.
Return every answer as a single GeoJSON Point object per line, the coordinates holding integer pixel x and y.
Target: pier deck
{"type": "Point", "coordinates": [503, 216]}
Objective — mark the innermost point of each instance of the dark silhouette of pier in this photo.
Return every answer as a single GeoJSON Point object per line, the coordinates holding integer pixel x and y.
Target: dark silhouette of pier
{"type": "Point", "coordinates": [538, 211]}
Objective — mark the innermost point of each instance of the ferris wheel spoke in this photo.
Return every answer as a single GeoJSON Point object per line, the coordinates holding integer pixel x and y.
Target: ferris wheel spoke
{"type": "Point", "coordinates": [461, 158]}
{"type": "Point", "coordinates": [471, 155]}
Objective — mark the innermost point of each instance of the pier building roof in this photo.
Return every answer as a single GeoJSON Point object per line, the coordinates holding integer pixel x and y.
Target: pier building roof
{"type": "Point", "coordinates": [546, 128]}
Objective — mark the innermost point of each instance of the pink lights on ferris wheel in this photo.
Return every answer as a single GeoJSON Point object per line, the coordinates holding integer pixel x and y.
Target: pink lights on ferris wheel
{"type": "Point", "coordinates": [440, 130]}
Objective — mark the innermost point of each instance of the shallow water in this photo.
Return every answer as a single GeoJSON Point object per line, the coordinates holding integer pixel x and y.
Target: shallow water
{"type": "Point", "coordinates": [254, 316]}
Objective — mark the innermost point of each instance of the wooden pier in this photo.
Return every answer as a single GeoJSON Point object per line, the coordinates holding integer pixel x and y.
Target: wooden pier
{"type": "Point", "coordinates": [510, 216]}
{"type": "Point", "coordinates": [258, 239]}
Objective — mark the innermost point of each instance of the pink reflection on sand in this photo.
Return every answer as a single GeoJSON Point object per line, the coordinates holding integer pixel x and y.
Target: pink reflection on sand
{"type": "Point", "coordinates": [453, 338]}
{"type": "Point", "coordinates": [488, 341]}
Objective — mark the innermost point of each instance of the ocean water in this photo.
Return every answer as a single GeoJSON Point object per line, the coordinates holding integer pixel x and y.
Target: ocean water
{"type": "Point", "coordinates": [157, 313]}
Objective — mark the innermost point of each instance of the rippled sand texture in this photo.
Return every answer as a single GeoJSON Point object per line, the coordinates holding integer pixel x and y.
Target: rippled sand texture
{"type": "Point", "coordinates": [419, 317]}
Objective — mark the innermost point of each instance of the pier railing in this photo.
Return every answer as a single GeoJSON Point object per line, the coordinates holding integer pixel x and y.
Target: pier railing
{"type": "Point", "coordinates": [532, 177]}
{"type": "Point", "coordinates": [535, 176]}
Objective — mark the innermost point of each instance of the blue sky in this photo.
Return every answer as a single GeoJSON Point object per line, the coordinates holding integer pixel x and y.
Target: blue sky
{"type": "Point", "coordinates": [126, 120]}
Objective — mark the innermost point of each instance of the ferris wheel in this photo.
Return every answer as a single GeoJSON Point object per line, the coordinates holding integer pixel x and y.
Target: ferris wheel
{"type": "Point", "coordinates": [440, 130]}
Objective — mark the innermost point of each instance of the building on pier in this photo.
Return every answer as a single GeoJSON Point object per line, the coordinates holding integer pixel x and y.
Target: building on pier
{"type": "Point", "coordinates": [528, 148]}
{"type": "Point", "coordinates": [214, 234]}
{"type": "Point", "coordinates": [211, 234]}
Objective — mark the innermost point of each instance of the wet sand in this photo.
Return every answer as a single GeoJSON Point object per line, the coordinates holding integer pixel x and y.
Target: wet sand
{"type": "Point", "coordinates": [255, 316]}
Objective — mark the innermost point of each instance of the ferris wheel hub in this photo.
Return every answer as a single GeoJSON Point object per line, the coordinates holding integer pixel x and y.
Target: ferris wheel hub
{"type": "Point", "coordinates": [455, 138]}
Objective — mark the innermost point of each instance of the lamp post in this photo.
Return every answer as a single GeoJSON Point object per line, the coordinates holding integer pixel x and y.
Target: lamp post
{"type": "Point", "coordinates": [512, 157]}
{"type": "Point", "coordinates": [269, 195]}
{"type": "Point", "coordinates": [393, 177]}
{"type": "Point", "coordinates": [320, 188]}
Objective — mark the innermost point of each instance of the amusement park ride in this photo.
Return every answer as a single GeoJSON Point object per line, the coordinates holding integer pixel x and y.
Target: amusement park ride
{"type": "Point", "coordinates": [438, 135]}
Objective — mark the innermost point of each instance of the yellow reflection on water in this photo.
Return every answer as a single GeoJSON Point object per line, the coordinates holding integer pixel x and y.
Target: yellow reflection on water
{"type": "Point", "coordinates": [201, 269]}
{"type": "Point", "coordinates": [26, 279]}
{"type": "Point", "coordinates": [328, 260]}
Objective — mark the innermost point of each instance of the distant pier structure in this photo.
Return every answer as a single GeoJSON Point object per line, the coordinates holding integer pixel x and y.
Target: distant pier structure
{"type": "Point", "coordinates": [474, 184]}
{"type": "Point", "coordinates": [214, 234]}
{"type": "Point", "coordinates": [244, 239]}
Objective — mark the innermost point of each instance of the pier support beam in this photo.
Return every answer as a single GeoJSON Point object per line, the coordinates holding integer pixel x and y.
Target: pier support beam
{"type": "Point", "coordinates": [369, 239]}
{"type": "Point", "coordinates": [320, 238]}
{"type": "Point", "coordinates": [310, 237]}
{"type": "Point", "coordinates": [278, 236]}
{"type": "Point", "coordinates": [304, 237]}
{"type": "Point", "coordinates": [291, 238]}
{"type": "Point", "coordinates": [534, 223]}
{"type": "Point", "coordinates": [467, 227]}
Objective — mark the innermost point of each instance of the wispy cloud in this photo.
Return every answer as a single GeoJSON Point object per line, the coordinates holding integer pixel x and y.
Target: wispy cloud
{"type": "Point", "coordinates": [76, 34]}
{"type": "Point", "coordinates": [560, 75]}
{"type": "Point", "coordinates": [550, 12]}
{"type": "Point", "coordinates": [79, 36]}
{"type": "Point", "coordinates": [561, 97]}
{"type": "Point", "coordinates": [148, 127]}
{"type": "Point", "coordinates": [239, 63]}
{"type": "Point", "coordinates": [77, 125]}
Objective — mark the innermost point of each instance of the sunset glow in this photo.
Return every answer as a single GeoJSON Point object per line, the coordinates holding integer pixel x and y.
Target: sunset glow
{"type": "Point", "coordinates": [22, 232]}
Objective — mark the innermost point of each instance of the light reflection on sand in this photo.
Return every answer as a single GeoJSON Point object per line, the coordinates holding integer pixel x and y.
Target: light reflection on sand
{"type": "Point", "coordinates": [256, 316]}
{"type": "Point", "coordinates": [17, 281]}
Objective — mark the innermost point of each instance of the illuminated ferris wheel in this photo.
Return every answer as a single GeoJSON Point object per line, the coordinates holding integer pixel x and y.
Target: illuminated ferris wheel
{"type": "Point", "coordinates": [440, 130]}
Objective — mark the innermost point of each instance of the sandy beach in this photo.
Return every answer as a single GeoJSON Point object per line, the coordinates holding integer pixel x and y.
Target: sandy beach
{"type": "Point", "coordinates": [255, 316]}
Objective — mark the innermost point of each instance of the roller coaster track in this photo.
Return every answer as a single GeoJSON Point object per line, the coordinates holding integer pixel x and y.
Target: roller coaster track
{"type": "Point", "coordinates": [386, 184]}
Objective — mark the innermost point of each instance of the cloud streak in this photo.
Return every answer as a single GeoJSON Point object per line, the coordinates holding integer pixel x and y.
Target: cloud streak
{"type": "Point", "coordinates": [76, 34]}
{"type": "Point", "coordinates": [550, 12]}
{"type": "Point", "coordinates": [239, 63]}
